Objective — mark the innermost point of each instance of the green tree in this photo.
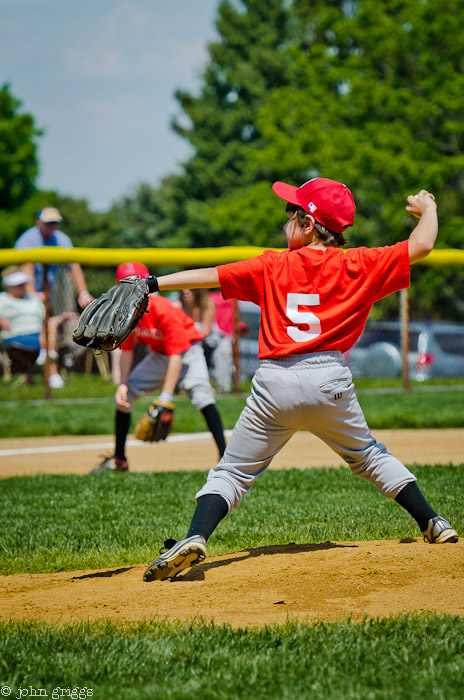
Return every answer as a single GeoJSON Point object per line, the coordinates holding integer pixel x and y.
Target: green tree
{"type": "Point", "coordinates": [19, 167]}
{"type": "Point", "coordinates": [18, 151]}
{"type": "Point", "coordinates": [13, 222]}
{"type": "Point", "coordinates": [368, 92]}
{"type": "Point", "coordinates": [146, 216]}
{"type": "Point", "coordinates": [375, 99]}
{"type": "Point", "coordinates": [86, 228]}
{"type": "Point", "coordinates": [247, 62]}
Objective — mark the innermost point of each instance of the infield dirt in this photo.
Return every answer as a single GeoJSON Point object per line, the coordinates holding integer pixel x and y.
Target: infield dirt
{"type": "Point", "coordinates": [306, 582]}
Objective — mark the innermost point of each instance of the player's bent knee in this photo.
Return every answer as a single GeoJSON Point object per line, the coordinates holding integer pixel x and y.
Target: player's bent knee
{"type": "Point", "coordinates": [203, 401]}
{"type": "Point", "coordinates": [230, 492]}
{"type": "Point", "coordinates": [382, 469]}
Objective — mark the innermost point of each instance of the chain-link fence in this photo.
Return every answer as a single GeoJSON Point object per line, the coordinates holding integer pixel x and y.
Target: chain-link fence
{"type": "Point", "coordinates": [407, 340]}
{"type": "Point", "coordinates": [411, 338]}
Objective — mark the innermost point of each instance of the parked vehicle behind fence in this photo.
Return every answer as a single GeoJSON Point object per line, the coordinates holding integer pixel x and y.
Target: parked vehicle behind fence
{"type": "Point", "coordinates": [436, 349]}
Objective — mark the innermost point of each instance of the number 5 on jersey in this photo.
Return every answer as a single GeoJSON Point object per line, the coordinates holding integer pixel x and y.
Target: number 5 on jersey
{"type": "Point", "coordinates": [302, 317]}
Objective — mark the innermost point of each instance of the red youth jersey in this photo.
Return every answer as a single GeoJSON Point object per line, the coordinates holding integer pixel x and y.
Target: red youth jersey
{"type": "Point", "coordinates": [315, 300]}
{"type": "Point", "coordinates": [164, 328]}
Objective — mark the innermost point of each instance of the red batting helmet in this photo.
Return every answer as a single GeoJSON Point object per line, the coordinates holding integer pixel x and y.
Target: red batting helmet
{"type": "Point", "coordinates": [132, 268]}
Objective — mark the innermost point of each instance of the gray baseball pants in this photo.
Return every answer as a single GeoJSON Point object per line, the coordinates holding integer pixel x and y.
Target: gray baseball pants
{"type": "Point", "coordinates": [148, 377]}
{"type": "Point", "coordinates": [223, 363]}
{"type": "Point", "coordinates": [313, 392]}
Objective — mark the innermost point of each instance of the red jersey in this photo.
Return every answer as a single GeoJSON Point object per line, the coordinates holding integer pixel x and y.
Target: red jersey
{"type": "Point", "coordinates": [165, 329]}
{"type": "Point", "coordinates": [314, 300]}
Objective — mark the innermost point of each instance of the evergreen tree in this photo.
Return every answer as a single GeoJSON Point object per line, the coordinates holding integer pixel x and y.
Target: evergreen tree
{"type": "Point", "coordinates": [146, 217]}
{"type": "Point", "coordinates": [375, 99]}
{"type": "Point", "coordinates": [246, 64]}
{"type": "Point", "coordinates": [86, 228]}
{"type": "Point", "coordinates": [18, 153]}
{"type": "Point", "coordinates": [19, 200]}
{"type": "Point", "coordinates": [368, 92]}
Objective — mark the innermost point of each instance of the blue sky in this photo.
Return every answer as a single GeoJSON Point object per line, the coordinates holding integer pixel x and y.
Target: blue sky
{"type": "Point", "coordinates": [99, 76]}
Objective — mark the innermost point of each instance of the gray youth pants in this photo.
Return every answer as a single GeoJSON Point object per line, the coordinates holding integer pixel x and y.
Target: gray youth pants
{"type": "Point", "coordinates": [314, 392]}
{"type": "Point", "coordinates": [148, 376]}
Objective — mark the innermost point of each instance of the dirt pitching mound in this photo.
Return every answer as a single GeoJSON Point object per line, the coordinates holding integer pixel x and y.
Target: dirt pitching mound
{"type": "Point", "coordinates": [305, 582]}
{"type": "Point", "coordinates": [329, 580]}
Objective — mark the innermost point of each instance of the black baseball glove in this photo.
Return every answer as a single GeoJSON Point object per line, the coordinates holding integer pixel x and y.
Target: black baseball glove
{"type": "Point", "coordinates": [157, 422]}
{"type": "Point", "coordinates": [106, 322]}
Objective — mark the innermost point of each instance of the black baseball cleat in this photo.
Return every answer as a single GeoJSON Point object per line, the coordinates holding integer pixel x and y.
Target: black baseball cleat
{"type": "Point", "coordinates": [111, 464]}
{"type": "Point", "coordinates": [179, 556]}
{"type": "Point", "coordinates": [439, 531]}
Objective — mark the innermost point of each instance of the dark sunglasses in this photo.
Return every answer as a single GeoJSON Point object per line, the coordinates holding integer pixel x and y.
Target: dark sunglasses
{"type": "Point", "coordinates": [292, 207]}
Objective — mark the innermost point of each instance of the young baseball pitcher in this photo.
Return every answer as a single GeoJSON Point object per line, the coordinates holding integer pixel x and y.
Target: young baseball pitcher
{"type": "Point", "coordinates": [176, 359]}
{"type": "Point", "coordinates": [315, 299]}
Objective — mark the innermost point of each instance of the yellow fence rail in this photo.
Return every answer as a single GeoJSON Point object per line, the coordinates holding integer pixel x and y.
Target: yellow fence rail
{"type": "Point", "coordinates": [168, 257]}
{"type": "Point", "coordinates": [102, 257]}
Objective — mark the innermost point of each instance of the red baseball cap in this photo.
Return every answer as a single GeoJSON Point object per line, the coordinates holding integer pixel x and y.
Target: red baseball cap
{"type": "Point", "coordinates": [330, 202]}
{"type": "Point", "coordinates": [132, 268]}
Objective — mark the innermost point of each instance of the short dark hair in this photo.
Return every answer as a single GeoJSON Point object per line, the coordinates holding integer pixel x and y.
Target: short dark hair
{"type": "Point", "coordinates": [327, 237]}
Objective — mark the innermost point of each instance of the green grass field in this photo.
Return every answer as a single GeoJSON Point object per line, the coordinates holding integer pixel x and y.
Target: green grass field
{"type": "Point", "coordinates": [407, 658]}
{"type": "Point", "coordinates": [53, 523]}
{"type": "Point", "coordinates": [56, 523]}
{"type": "Point", "coordinates": [95, 415]}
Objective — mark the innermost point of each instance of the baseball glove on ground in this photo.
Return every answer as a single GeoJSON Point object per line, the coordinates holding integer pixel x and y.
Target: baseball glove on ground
{"type": "Point", "coordinates": [157, 422]}
{"type": "Point", "coordinates": [107, 321]}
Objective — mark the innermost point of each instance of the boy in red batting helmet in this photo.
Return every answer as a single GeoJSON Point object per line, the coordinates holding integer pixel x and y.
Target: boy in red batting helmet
{"type": "Point", "coordinates": [176, 359]}
{"type": "Point", "coordinates": [315, 300]}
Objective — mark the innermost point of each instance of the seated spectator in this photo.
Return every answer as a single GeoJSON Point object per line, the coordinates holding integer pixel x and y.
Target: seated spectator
{"type": "Point", "coordinates": [21, 314]}
{"type": "Point", "coordinates": [21, 325]}
{"type": "Point", "coordinates": [21, 318]}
